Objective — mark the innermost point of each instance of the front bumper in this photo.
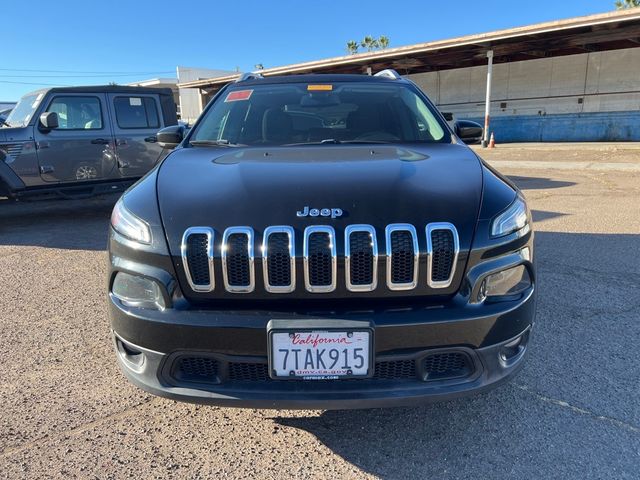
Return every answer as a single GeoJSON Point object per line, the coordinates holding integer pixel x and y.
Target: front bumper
{"type": "Point", "coordinates": [149, 343]}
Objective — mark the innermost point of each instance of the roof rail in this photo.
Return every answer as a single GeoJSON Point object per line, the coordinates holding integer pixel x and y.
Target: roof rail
{"type": "Point", "coordinates": [388, 73]}
{"type": "Point", "coordinates": [249, 76]}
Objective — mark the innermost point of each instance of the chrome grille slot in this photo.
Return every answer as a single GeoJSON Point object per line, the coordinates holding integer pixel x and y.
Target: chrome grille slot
{"type": "Point", "coordinates": [320, 265]}
{"type": "Point", "coordinates": [361, 258]}
{"type": "Point", "coordinates": [402, 256]}
{"type": "Point", "coordinates": [278, 259]}
{"type": "Point", "coordinates": [238, 259]}
{"type": "Point", "coordinates": [196, 251]}
{"type": "Point", "coordinates": [442, 254]}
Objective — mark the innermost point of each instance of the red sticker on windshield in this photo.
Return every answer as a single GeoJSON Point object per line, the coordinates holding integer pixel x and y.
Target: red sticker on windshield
{"type": "Point", "coordinates": [238, 95]}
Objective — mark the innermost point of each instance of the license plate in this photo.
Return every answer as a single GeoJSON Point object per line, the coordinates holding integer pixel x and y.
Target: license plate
{"type": "Point", "coordinates": [320, 354]}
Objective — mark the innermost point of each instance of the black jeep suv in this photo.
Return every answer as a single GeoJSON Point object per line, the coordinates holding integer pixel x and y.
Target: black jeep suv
{"type": "Point", "coordinates": [320, 241]}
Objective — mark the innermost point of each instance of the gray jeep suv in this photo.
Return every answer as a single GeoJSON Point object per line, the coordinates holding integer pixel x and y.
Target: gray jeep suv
{"type": "Point", "coordinates": [82, 140]}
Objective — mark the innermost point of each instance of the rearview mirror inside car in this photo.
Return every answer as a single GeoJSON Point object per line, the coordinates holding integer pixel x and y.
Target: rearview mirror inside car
{"type": "Point", "coordinates": [171, 137]}
{"type": "Point", "coordinates": [49, 120]}
{"type": "Point", "coordinates": [319, 99]}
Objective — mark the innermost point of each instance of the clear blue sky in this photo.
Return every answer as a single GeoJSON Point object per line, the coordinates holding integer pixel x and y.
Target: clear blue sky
{"type": "Point", "coordinates": [142, 39]}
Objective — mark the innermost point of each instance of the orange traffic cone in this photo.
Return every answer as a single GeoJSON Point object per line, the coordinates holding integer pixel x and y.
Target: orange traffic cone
{"type": "Point", "coordinates": [492, 141]}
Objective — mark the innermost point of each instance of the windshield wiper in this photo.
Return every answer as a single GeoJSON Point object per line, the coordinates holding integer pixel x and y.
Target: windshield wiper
{"type": "Point", "coordinates": [214, 143]}
{"type": "Point", "coordinates": [2, 122]}
{"type": "Point", "coordinates": [326, 141]}
{"type": "Point", "coordinates": [333, 141]}
{"type": "Point", "coordinates": [367, 141]}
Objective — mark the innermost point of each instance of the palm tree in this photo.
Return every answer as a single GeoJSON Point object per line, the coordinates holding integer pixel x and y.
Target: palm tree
{"type": "Point", "coordinates": [624, 4]}
{"type": "Point", "coordinates": [352, 47]}
{"type": "Point", "coordinates": [369, 43]}
{"type": "Point", "coordinates": [383, 41]}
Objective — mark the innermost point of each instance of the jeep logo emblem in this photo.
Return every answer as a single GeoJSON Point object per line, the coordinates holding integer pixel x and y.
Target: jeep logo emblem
{"type": "Point", "coordinates": [322, 212]}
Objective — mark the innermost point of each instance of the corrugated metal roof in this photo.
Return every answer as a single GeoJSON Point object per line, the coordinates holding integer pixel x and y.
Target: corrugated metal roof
{"type": "Point", "coordinates": [605, 22]}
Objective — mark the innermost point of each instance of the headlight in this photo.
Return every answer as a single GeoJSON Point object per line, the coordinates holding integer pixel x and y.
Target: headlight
{"type": "Point", "coordinates": [127, 224]}
{"type": "Point", "coordinates": [136, 291]}
{"type": "Point", "coordinates": [511, 220]}
{"type": "Point", "coordinates": [504, 283]}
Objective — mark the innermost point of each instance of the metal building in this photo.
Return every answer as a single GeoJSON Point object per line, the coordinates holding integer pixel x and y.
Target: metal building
{"type": "Point", "coordinates": [568, 80]}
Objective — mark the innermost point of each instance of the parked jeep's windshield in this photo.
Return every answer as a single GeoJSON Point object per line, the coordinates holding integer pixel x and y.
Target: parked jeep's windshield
{"type": "Point", "coordinates": [295, 114]}
{"type": "Point", "coordinates": [23, 111]}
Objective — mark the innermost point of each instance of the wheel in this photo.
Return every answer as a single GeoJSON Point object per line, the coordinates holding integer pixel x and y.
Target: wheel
{"type": "Point", "coordinates": [86, 172]}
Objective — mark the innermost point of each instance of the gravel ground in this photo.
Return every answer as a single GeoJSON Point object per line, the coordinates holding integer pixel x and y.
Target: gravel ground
{"type": "Point", "coordinates": [573, 412]}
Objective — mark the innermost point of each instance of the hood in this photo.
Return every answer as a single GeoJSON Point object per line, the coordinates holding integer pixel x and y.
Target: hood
{"type": "Point", "coordinates": [14, 134]}
{"type": "Point", "coordinates": [375, 185]}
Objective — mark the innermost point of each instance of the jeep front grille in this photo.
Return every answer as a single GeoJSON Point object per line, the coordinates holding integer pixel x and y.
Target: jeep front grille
{"type": "Point", "coordinates": [237, 260]}
{"type": "Point", "coordinates": [320, 260]}
{"type": "Point", "coordinates": [197, 258]}
{"type": "Point", "coordinates": [279, 259]}
{"type": "Point", "coordinates": [442, 254]}
{"type": "Point", "coordinates": [361, 258]}
{"type": "Point", "coordinates": [402, 256]}
{"type": "Point", "coordinates": [320, 263]}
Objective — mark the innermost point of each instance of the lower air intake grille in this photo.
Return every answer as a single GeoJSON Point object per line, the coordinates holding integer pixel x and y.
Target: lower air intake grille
{"type": "Point", "coordinates": [402, 257]}
{"type": "Point", "coordinates": [320, 259]}
{"type": "Point", "coordinates": [248, 372]}
{"type": "Point", "coordinates": [436, 366]}
{"type": "Point", "coordinates": [361, 258]}
{"type": "Point", "coordinates": [238, 260]}
{"type": "Point", "coordinates": [195, 369]}
{"type": "Point", "coordinates": [446, 365]}
{"type": "Point", "coordinates": [443, 251]}
{"type": "Point", "coordinates": [279, 261]}
{"type": "Point", "coordinates": [399, 369]}
{"type": "Point", "coordinates": [197, 258]}
{"type": "Point", "coordinates": [258, 372]}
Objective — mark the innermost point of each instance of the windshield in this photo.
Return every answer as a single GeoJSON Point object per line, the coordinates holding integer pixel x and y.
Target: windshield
{"type": "Point", "coordinates": [347, 112]}
{"type": "Point", "coordinates": [23, 111]}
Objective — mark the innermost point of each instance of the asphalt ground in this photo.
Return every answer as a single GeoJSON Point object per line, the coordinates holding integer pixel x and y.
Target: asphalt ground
{"type": "Point", "coordinates": [573, 411]}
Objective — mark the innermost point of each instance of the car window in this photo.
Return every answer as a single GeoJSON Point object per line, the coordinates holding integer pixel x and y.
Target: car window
{"type": "Point", "coordinates": [307, 113]}
{"type": "Point", "coordinates": [77, 113]}
{"type": "Point", "coordinates": [136, 112]}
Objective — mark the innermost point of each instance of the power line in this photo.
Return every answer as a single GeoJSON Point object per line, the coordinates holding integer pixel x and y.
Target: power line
{"type": "Point", "coordinates": [79, 76]}
{"type": "Point", "coordinates": [83, 71]}
{"type": "Point", "coordinates": [41, 84]}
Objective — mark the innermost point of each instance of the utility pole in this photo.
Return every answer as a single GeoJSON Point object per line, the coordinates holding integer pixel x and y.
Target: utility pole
{"type": "Point", "coordinates": [487, 104]}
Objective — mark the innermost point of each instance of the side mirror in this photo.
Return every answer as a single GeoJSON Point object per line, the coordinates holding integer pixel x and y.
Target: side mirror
{"type": "Point", "coordinates": [171, 137]}
{"type": "Point", "coordinates": [49, 120]}
{"type": "Point", "coordinates": [468, 131]}
{"type": "Point", "coordinates": [448, 116]}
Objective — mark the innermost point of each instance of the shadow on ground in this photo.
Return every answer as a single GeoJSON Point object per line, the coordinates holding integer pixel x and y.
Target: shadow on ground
{"type": "Point", "coordinates": [65, 224]}
{"type": "Point", "coordinates": [543, 215]}
{"type": "Point", "coordinates": [571, 413]}
{"type": "Point", "coordinates": [538, 183]}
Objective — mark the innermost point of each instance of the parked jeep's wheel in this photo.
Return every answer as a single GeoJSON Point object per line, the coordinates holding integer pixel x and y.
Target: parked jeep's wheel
{"type": "Point", "coordinates": [86, 172]}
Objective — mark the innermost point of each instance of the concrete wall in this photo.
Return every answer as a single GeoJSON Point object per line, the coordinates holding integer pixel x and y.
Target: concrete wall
{"type": "Point", "coordinates": [190, 99]}
{"type": "Point", "coordinates": [591, 96]}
